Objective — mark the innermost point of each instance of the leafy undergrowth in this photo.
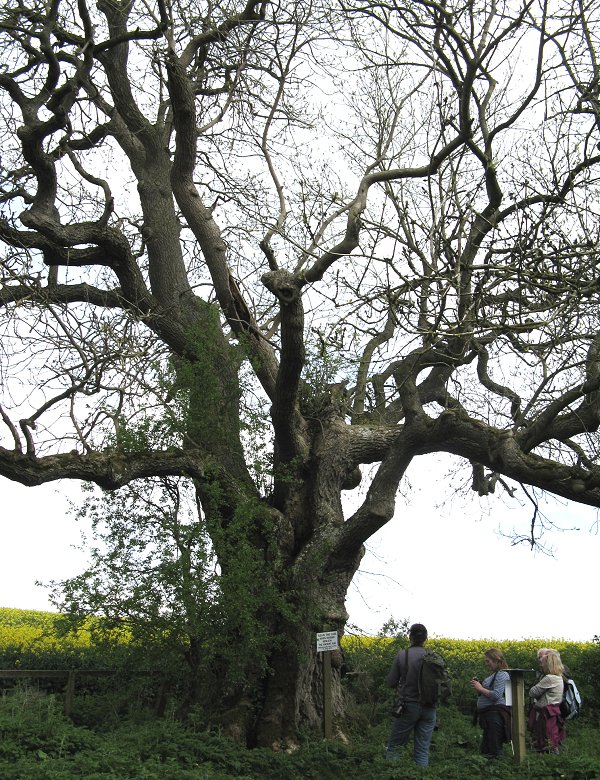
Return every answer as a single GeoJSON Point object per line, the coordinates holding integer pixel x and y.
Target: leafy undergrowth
{"type": "Point", "coordinates": [112, 735]}
{"type": "Point", "coordinates": [38, 743]}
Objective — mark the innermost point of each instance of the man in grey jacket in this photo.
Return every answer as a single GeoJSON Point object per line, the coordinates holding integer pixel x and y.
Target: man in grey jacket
{"type": "Point", "coordinates": [412, 717]}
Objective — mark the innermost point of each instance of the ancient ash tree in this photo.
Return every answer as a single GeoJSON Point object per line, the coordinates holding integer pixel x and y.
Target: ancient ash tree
{"type": "Point", "coordinates": [260, 245]}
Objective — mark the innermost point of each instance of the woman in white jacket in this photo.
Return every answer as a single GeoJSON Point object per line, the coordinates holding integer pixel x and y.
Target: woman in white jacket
{"type": "Point", "coordinates": [545, 720]}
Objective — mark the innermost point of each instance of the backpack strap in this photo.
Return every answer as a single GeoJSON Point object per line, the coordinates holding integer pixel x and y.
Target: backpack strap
{"type": "Point", "coordinates": [405, 669]}
{"type": "Point", "coordinates": [404, 673]}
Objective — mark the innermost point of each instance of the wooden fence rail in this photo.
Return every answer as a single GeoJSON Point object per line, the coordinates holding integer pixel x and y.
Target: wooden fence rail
{"type": "Point", "coordinates": [70, 676]}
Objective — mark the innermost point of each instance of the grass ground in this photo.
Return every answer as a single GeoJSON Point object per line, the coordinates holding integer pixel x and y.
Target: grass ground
{"type": "Point", "coordinates": [38, 743]}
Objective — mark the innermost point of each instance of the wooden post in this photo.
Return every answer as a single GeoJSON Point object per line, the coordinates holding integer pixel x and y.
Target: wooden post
{"type": "Point", "coordinates": [69, 692]}
{"type": "Point", "coordinates": [327, 730]}
{"type": "Point", "coordinates": [517, 687]}
{"type": "Point", "coordinates": [327, 641]}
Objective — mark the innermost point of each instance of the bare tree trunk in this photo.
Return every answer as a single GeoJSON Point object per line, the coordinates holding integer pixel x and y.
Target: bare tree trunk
{"type": "Point", "coordinates": [289, 698]}
{"type": "Point", "coordinates": [310, 585]}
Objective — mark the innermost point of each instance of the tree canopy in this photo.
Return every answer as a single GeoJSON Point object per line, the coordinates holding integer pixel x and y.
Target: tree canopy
{"type": "Point", "coordinates": [262, 245]}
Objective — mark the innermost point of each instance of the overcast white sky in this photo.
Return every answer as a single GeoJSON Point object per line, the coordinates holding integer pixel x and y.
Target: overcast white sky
{"type": "Point", "coordinates": [448, 561]}
{"type": "Point", "coordinates": [442, 561]}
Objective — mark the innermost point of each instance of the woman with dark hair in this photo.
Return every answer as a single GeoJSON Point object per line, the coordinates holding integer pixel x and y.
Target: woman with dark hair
{"type": "Point", "coordinates": [545, 720]}
{"type": "Point", "coordinates": [492, 713]}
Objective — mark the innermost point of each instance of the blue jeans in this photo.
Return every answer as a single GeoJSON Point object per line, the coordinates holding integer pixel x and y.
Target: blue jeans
{"type": "Point", "coordinates": [419, 719]}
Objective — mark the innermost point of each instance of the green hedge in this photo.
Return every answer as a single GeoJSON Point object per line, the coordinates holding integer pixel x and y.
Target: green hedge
{"type": "Point", "coordinates": [369, 658]}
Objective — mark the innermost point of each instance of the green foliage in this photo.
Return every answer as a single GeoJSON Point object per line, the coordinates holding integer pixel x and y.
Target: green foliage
{"type": "Point", "coordinates": [370, 659]}
{"type": "Point", "coordinates": [248, 590]}
{"type": "Point", "coordinates": [395, 628]}
{"type": "Point", "coordinates": [32, 722]}
{"type": "Point", "coordinates": [114, 734]}
{"type": "Point", "coordinates": [157, 424]}
{"type": "Point", "coordinates": [186, 603]}
{"type": "Point", "coordinates": [143, 432]}
{"type": "Point", "coordinates": [324, 357]}
{"type": "Point", "coordinates": [38, 743]}
{"type": "Point", "coordinates": [323, 367]}
{"type": "Point", "coordinates": [208, 382]}
{"type": "Point", "coordinates": [151, 570]}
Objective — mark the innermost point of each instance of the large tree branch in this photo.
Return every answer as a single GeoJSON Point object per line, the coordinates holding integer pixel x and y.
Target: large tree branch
{"type": "Point", "coordinates": [108, 470]}
{"type": "Point", "coordinates": [107, 247]}
{"type": "Point", "coordinates": [501, 452]}
{"type": "Point", "coordinates": [456, 433]}
{"type": "Point", "coordinates": [201, 222]}
{"type": "Point", "coordinates": [61, 294]}
{"type": "Point", "coordinates": [379, 505]}
{"type": "Point", "coordinates": [54, 103]}
{"type": "Point", "coordinates": [287, 421]}
{"type": "Point", "coordinates": [114, 57]}
{"type": "Point", "coordinates": [552, 424]}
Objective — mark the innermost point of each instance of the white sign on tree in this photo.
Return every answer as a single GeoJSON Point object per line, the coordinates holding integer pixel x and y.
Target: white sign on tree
{"type": "Point", "coordinates": [327, 640]}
